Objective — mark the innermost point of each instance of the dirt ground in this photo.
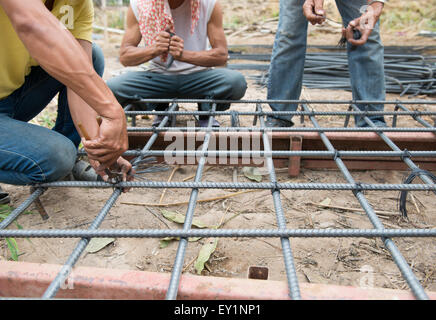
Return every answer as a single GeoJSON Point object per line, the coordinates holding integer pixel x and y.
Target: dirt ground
{"type": "Point", "coordinates": [325, 261]}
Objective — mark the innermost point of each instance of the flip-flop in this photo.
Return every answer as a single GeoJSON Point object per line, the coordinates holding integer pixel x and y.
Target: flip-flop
{"type": "Point", "coordinates": [157, 120]}
{"type": "Point", "coordinates": [4, 197]}
{"type": "Point", "coordinates": [83, 171]}
{"type": "Point", "coordinates": [205, 122]}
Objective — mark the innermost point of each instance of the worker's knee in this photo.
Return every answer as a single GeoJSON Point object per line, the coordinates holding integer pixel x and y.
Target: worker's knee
{"type": "Point", "coordinates": [98, 59]}
{"type": "Point", "coordinates": [115, 85]}
{"type": "Point", "coordinates": [237, 84]}
{"type": "Point", "coordinates": [58, 161]}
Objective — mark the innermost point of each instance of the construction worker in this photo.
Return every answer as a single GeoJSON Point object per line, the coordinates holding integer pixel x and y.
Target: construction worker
{"type": "Point", "coordinates": [365, 54]}
{"type": "Point", "coordinates": [176, 35]}
{"type": "Point", "coordinates": [46, 49]}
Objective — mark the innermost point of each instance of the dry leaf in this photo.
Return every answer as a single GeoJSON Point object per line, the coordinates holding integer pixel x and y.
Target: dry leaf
{"type": "Point", "coordinates": [96, 244]}
{"type": "Point", "coordinates": [180, 218]}
{"type": "Point", "coordinates": [166, 241]}
{"type": "Point", "coordinates": [204, 254]}
{"type": "Point", "coordinates": [326, 202]}
{"type": "Point", "coordinates": [252, 173]}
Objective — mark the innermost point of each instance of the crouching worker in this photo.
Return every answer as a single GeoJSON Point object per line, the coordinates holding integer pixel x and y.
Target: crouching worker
{"type": "Point", "coordinates": [176, 34]}
{"type": "Point", "coordinates": [40, 58]}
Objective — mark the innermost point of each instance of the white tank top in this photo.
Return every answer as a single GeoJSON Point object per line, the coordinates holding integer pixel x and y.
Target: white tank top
{"type": "Point", "coordinates": [198, 41]}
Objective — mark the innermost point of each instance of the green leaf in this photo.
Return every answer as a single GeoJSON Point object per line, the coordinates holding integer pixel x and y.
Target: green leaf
{"type": "Point", "coordinates": [252, 173]}
{"type": "Point", "coordinates": [173, 216]}
{"type": "Point", "coordinates": [204, 254]}
{"type": "Point", "coordinates": [13, 248]}
{"type": "Point", "coordinates": [3, 216]}
{"type": "Point", "coordinates": [180, 218]}
{"type": "Point", "coordinates": [166, 241]}
{"type": "Point", "coordinates": [5, 210]}
{"type": "Point", "coordinates": [96, 244]}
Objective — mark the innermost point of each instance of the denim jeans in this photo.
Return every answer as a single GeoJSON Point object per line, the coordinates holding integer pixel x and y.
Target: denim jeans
{"type": "Point", "coordinates": [30, 153]}
{"type": "Point", "coordinates": [365, 62]}
{"type": "Point", "coordinates": [219, 83]}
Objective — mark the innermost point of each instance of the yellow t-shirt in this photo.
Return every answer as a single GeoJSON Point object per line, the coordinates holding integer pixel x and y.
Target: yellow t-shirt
{"type": "Point", "coordinates": [15, 61]}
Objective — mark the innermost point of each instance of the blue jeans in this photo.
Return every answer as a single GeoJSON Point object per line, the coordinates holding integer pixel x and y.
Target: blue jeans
{"type": "Point", "coordinates": [34, 154]}
{"type": "Point", "coordinates": [365, 63]}
{"type": "Point", "coordinates": [219, 83]}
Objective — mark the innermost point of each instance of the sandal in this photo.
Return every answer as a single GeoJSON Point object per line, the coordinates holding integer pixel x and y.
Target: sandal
{"type": "Point", "coordinates": [204, 123]}
{"type": "Point", "coordinates": [83, 171]}
{"type": "Point", "coordinates": [4, 197]}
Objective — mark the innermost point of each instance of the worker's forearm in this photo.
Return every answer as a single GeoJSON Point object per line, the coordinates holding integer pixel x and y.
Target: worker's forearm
{"type": "Point", "coordinates": [209, 58]}
{"type": "Point", "coordinates": [134, 56]}
{"type": "Point", "coordinates": [84, 117]}
{"type": "Point", "coordinates": [82, 114]}
{"type": "Point", "coordinates": [58, 52]}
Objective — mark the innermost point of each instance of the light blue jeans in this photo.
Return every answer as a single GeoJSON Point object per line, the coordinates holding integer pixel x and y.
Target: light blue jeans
{"type": "Point", "coordinates": [365, 63]}
{"type": "Point", "coordinates": [30, 153]}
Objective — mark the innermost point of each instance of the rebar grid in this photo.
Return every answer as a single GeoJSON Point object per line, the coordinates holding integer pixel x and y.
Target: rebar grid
{"type": "Point", "coordinates": [267, 153]}
{"type": "Point", "coordinates": [281, 221]}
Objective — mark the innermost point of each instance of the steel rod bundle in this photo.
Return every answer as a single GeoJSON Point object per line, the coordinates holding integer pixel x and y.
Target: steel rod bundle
{"type": "Point", "coordinates": [405, 73]}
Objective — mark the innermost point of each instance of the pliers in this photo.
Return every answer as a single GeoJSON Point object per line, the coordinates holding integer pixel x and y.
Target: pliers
{"type": "Point", "coordinates": [170, 58]}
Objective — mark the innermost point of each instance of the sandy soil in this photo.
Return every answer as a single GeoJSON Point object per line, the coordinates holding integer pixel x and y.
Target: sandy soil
{"type": "Point", "coordinates": [327, 261]}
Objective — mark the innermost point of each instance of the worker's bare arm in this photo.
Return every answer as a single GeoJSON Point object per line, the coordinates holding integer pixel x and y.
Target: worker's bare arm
{"type": "Point", "coordinates": [217, 56]}
{"type": "Point", "coordinates": [59, 53]}
{"type": "Point", "coordinates": [130, 53]}
{"type": "Point", "coordinates": [80, 111]}
{"type": "Point", "coordinates": [84, 115]}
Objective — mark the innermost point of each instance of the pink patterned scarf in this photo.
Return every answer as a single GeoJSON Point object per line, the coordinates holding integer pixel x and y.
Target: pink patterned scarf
{"type": "Point", "coordinates": [155, 16]}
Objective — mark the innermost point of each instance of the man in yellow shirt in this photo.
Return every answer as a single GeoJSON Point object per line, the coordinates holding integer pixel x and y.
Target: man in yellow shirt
{"type": "Point", "coordinates": [46, 49]}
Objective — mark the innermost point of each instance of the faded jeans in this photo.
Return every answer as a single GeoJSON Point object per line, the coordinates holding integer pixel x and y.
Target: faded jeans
{"type": "Point", "coordinates": [34, 154]}
{"type": "Point", "coordinates": [366, 63]}
{"type": "Point", "coordinates": [219, 83]}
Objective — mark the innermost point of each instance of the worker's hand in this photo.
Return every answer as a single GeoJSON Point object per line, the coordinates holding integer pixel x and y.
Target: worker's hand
{"type": "Point", "coordinates": [314, 11]}
{"type": "Point", "coordinates": [122, 166]}
{"type": "Point", "coordinates": [176, 47]}
{"type": "Point", "coordinates": [365, 24]}
{"type": "Point", "coordinates": [111, 141]}
{"type": "Point", "coordinates": [125, 168]}
{"type": "Point", "coordinates": [162, 44]}
{"type": "Point", "coordinates": [98, 169]}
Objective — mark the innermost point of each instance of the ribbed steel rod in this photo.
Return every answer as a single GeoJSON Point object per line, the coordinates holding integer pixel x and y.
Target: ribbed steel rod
{"type": "Point", "coordinates": [244, 185]}
{"type": "Point", "coordinates": [78, 250]}
{"type": "Point", "coordinates": [221, 233]}
{"type": "Point", "coordinates": [394, 147]}
{"type": "Point", "coordinates": [282, 153]}
{"type": "Point", "coordinates": [265, 101]}
{"type": "Point", "coordinates": [316, 56]}
{"type": "Point", "coordinates": [399, 260]}
{"type": "Point", "coordinates": [275, 129]}
{"type": "Point", "coordinates": [417, 117]}
{"type": "Point", "coordinates": [20, 209]}
{"type": "Point", "coordinates": [291, 272]}
{"type": "Point", "coordinates": [277, 113]}
{"type": "Point", "coordinates": [66, 269]}
{"type": "Point", "coordinates": [282, 232]}
{"type": "Point", "coordinates": [183, 243]}
{"type": "Point", "coordinates": [152, 139]}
